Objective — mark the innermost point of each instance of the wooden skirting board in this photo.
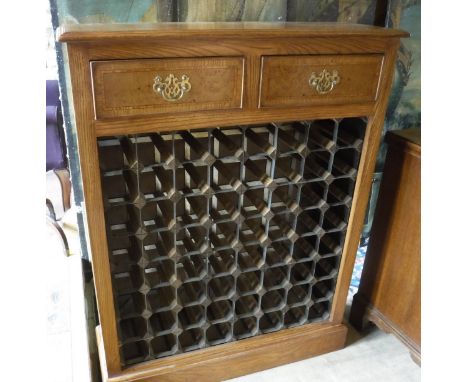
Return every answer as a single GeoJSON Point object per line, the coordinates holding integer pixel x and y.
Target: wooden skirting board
{"type": "Point", "coordinates": [238, 358]}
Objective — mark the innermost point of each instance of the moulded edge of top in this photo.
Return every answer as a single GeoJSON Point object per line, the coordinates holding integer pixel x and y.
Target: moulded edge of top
{"type": "Point", "coordinates": [109, 32]}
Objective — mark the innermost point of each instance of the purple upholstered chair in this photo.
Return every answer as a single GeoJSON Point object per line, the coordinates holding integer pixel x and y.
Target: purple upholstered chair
{"type": "Point", "coordinates": [58, 186]}
{"type": "Point", "coordinates": [55, 138]}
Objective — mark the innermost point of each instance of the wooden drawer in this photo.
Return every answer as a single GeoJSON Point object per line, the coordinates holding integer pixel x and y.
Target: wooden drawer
{"type": "Point", "coordinates": [289, 80]}
{"type": "Point", "coordinates": [128, 88]}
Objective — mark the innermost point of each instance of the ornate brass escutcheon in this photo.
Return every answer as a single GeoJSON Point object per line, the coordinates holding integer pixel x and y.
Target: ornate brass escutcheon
{"type": "Point", "coordinates": [172, 89]}
{"type": "Point", "coordinates": [325, 81]}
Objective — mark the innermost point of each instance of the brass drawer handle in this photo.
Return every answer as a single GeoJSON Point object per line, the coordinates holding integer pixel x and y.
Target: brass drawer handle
{"type": "Point", "coordinates": [172, 89]}
{"type": "Point", "coordinates": [325, 81]}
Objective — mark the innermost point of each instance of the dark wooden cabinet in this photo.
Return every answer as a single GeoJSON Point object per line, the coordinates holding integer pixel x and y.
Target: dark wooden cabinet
{"type": "Point", "coordinates": [390, 291]}
{"type": "Point", "coordinates": [226, 170]}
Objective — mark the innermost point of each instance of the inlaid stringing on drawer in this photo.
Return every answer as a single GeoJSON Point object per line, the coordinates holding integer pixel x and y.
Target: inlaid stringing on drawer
{"type": "Point", "coordinates": [319, 79]}
{"type": "Point", "coordinates": [155, 86]}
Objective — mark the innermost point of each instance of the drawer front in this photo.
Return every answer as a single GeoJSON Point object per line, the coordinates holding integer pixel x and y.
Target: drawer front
{"type": "Point", "coordinates": [321, 79]}
{"type": "Point", "coordinates": [155, 86]}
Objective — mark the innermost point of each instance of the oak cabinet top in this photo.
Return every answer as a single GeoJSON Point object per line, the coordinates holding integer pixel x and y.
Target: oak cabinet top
{"type": "Point", "coordinates": [94, 32]}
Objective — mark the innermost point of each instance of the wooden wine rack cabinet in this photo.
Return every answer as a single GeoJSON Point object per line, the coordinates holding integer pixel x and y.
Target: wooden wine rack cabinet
{"type": "Point", "coordinates": [226, 170]}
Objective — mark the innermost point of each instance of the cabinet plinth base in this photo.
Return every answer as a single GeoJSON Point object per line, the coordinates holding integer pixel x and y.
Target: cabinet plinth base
{"type": "Point", "coordinates": [237, 358]}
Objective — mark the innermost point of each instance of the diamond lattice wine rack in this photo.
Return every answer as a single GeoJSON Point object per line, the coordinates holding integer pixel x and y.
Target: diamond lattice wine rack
{"type": "Point", "coordinates": [216, 235]}
{"type": "Point", "coordinates": [226, 170]}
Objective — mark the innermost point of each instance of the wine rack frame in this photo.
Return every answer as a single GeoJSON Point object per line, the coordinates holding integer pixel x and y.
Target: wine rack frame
{"type": "Point", "coordinates": [196, 217]}
{"type": "Point", "coordinates": [222, 234]}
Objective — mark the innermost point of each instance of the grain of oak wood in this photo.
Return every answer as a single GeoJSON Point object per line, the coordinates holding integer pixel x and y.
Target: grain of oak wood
{"type": "Point", "coordinates": [389, 293]}
{"type": "Point", "coordinates": [125, 88]}
{"type": "Point", "coordinates": [237, 358]}
{"type": "Point", "coordinates": [120, 32]}
{"type": "Point", "coordinates": [252, 41]}
{"type": "Point", "coordinates": [286, 80]}
{"type": "Point", "coordinates": [363, 184]}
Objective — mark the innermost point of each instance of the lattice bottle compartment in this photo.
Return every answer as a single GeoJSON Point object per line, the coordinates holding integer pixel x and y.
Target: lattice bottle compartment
{"type": "Point", "coordinates": [221, 234]}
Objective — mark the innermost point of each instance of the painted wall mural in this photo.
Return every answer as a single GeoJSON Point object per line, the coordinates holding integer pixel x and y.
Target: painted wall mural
{"type": "Point", "coordinates": [404, 109]}
{"type": "Point", "coordinates": [125, 11]}
{"type": "Point", "coordinates": [405, 103]}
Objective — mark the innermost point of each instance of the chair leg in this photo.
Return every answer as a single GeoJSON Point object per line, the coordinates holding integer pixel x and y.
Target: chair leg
{"type": "Point", "coordinates": [51, 221]}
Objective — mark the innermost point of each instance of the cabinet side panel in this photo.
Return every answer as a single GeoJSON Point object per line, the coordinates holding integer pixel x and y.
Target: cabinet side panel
{"type": "Point", "coordinates": [396, 241]}
{"type": "Point", "coordinates": [363, 183]}
{"type": "Point", "coordinates": [82, 98]}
